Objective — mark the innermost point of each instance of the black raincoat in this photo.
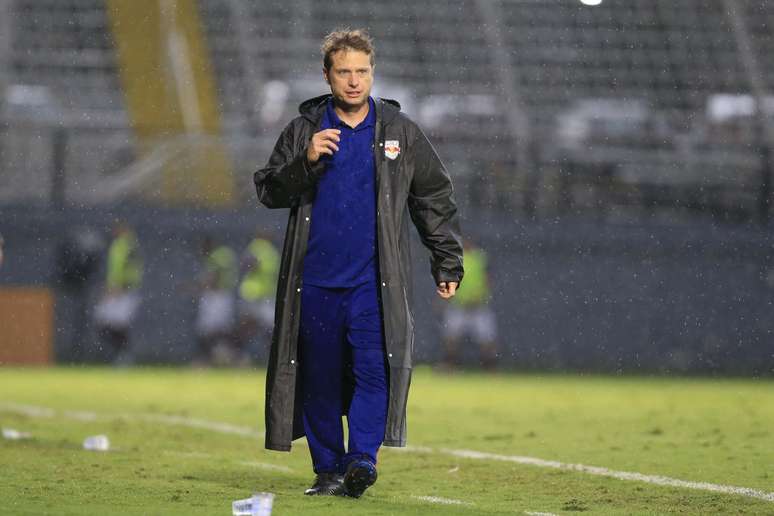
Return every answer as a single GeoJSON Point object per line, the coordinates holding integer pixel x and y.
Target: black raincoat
{"type": "Point", "coordinates": [413, 183]}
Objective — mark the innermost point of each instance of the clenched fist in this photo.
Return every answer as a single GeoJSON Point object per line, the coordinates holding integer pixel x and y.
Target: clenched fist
{"type": "Point", "coordinates": [447, 290]}
{"type": "Point", "coordinates": [321, 143]}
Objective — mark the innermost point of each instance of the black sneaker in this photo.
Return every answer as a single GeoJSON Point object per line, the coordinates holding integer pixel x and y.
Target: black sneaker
{"type": "Point", "coordinates": [360, 475]}
{"type": "Point", "coordinates": [327, 484]}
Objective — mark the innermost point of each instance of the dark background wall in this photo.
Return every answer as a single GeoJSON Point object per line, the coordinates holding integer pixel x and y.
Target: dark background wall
{"type": "Point", "coordinates": [568, 294]}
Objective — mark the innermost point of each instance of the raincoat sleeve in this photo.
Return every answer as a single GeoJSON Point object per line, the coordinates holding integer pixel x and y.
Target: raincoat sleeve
{"type": "Point", "coordinates": [288, 174]}
{"type": "Point", "coordinates": [434, 212]}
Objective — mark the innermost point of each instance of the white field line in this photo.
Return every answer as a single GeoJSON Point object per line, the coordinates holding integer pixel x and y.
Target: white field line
{"type": "Point", "coordinates": [249, 463]}
{"type": "Point", "coordinates": [171, 420]}
{"type": "Point", "coordinates": [188, 455]}
{"type": "Point", "coordinates": [215, 426]}
{"type": "Point", "coordinates": [533, 513]}
{"type": "Point", "coordinates": [27, 410]}
{"type": "Point", "coordinates": [266, 465]}
{"type": "Point", "coordinates": [622, 475]}
{"type": "Point", "coordinates": [443, 501]}
{"type": "Point", "coordinates": [413, 449]}
{"type": "Point", "coordinates": [226, 428]}
{"type": "Point", "coordinates": [80, 415]}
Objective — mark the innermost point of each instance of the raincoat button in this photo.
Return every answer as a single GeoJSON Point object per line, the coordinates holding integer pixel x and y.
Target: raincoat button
{"type": "Point", "coordinates": [298, 289]}
{"type": "Point", "coordinates": [307, 219]}
{"type": "Point", "coordinates": [384, 284]}
{"type": "Point", "coordinates": [381, 144]}
{"type": "Point", "coordinates": [389, 355]}
{"type": "Point", "coordinates": [292, 361]}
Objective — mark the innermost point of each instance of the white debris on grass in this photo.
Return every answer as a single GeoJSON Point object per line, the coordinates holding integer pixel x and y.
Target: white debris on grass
{"type": "Point", "coordinates": [96, 443]}
{"type": "Point", "coordinates": [14, 435]}
{"type": "Point", "coordinates": [260, 504]}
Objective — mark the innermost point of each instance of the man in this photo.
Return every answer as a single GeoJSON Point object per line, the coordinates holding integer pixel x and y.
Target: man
{"type": "Point", "coordinates": [469, 313]}
{"type": "Point", "coordinates": [260, 265]}
{"type": "Point", "coordinates": [78, 257]}
{"type": "Point", "coordinates": [215, 311]}
{"type": "Point", "coordinates": [348, 168]}
{"type": "Point", "coordinates": [118, 307]}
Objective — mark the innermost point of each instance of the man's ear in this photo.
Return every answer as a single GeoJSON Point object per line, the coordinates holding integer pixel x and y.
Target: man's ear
{"type": "Point", "coordinates": [325, 75]}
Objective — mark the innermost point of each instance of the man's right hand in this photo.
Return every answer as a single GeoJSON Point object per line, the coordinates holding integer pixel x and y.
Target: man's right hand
{"type": "Point", "coordinates": [321, 143]}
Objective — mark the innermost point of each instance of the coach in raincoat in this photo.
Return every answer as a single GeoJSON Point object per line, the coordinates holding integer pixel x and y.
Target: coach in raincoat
{"type": "Point", "coordinates": [411, 182]}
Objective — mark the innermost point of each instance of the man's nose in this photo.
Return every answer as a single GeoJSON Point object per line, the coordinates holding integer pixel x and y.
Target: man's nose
{"type": "Point", "coordinates": [353, 80]}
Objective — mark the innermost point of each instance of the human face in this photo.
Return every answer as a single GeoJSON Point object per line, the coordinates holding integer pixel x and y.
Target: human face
{"type": "Point", "coordinates": [350, 78]}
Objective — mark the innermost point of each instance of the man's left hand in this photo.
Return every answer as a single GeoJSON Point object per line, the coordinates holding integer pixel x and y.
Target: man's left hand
{"type": "Point", "coordinates": [447, 290]}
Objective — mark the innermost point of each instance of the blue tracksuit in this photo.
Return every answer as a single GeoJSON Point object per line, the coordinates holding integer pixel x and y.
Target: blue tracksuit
{"type": "Point", "coordinates": [341, 340]}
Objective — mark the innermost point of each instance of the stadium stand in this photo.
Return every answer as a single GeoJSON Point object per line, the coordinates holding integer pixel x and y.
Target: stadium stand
{"type": "Point", "coordinates": [64, 120]}
{"type": "Point", "coordinates": [67, 46]}
{"type": "Point", "coordinates": [623, 88]}
{"type": "Point", "coordinates": [621, 109]}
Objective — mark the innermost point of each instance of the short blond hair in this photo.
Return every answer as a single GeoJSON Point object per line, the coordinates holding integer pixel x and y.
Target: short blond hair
{"type": "Point", "coordinates": [346, 39]}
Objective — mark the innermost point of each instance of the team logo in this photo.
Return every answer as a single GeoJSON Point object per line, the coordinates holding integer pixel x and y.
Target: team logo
{"type": "Point", "coordinates": [391, 148]}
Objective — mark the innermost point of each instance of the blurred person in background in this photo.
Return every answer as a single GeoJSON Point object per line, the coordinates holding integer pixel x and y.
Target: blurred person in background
{"type": "Point", "coordinates": [215, 311]}
{"type": "Point", "coordinates": [469, 315]}
{"type": "Point", "coordinates": [78, 257]}
{"type": "Point", "coordinates": [348, 168]}
{"type": "Point", "coordinates": [2, 242]}
{"type": "Point", "coordinates": [118, 307]}
{"type": "Point", "coordinates": [260, 267]}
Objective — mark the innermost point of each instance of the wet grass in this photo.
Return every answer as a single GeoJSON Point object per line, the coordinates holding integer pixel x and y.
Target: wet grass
{"type": "Point", "coordinates": [702, 430]}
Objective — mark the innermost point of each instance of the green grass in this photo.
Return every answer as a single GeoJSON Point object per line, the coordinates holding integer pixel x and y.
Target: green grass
{"type": "Point", "coordinates": [719, 431]}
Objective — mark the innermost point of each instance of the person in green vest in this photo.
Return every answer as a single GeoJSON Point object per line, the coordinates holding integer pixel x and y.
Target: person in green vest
{"type": "Point", "coordinates": [469, 314]}
{"type": "Point", "coordinates": [120, 302]}
{"type": "Point", "coordinates": [260, 268]}
{"type": "Point", "coordinates": [215, 311]}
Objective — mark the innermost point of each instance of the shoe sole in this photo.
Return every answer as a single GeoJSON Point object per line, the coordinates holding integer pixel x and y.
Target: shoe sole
{"type": "Point", "coordinates": [330, 492]}
{"type": "Point", "coordinates": [358, 480]}
{"type": "Point", "coordinates": [337, 490]}
{"type": "Point", "coordinates": [333, 491]}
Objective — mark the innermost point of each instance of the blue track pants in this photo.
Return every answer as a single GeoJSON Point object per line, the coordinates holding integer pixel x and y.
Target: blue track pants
{"type": "Point", "coordinates": [342, 355]}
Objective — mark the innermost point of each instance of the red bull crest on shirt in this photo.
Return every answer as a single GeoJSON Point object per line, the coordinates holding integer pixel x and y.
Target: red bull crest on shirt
{"type": "Point", "coordinates": [391, 148]}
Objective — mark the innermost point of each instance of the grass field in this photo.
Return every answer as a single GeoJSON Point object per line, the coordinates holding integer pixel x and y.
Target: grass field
{"type": "Point", "coordinates": [189, 442]}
